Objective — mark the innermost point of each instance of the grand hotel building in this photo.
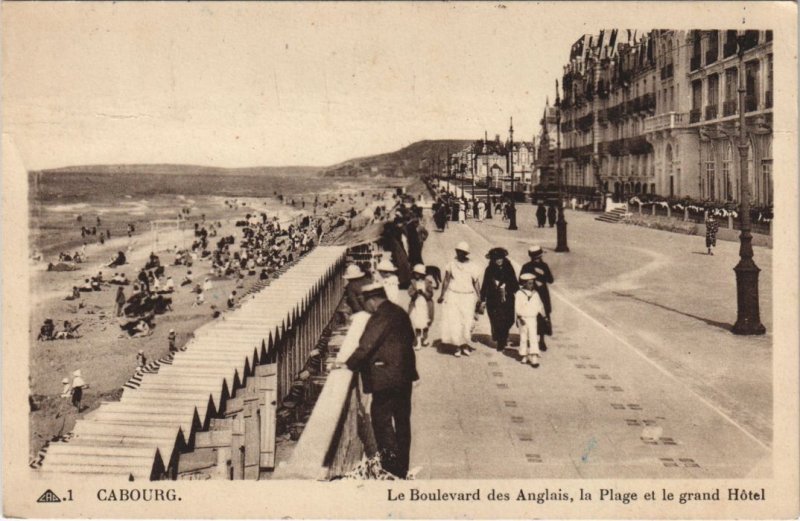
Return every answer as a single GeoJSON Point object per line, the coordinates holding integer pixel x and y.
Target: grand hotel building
{"type": "Point", "coordinates": [658, 114]}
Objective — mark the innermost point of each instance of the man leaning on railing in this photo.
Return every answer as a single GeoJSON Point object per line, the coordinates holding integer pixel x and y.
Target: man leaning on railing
{"type": "Point", "coordinates": [386, 361]}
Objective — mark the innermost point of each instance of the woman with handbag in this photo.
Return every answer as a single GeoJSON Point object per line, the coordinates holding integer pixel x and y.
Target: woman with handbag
{"type": "Point", "coordinates": [497, 294]}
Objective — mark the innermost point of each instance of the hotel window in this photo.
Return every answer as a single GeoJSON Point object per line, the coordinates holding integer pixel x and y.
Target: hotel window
{"type": "Point", "coordinates": [768, 93]}
{"type": "Point", "coordinates": [712, 96]}
{"type": "Point", "coordinates": [726, 173]}
{"type": "Point", "coordinates": [712, 53]}
{"type": "Point", "coordinates": [729, 105]}
{"type": "Point", "coordinates": [751, 85]}
{"type": "Point", "coordinates": [766, 181]}
{"type": "Point", "coordinates": [710, 192]}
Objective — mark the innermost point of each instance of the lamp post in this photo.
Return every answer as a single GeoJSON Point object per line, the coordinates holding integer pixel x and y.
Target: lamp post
{"type": "Point", "coordinates": [512, 215]}
{"type": "Point", "coordinates": [561, 223]}
{"type": "Point", "coordinates": [748, 321]}
{"type": "Point", "coordinates": [485, 152]}
{"type": "Point", "coordinates": [472, 170]}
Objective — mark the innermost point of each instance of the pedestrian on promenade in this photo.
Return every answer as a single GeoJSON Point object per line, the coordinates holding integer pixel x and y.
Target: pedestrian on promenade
{"type": "Point", "coordinates": [460, 292]}
{"type": "Point", "coordinates": [542, 277]}
{"type": "Point", "coordinates": [391, 284]}
{"type": "Point", "coordinates": [356, 279]}
{"type": "Point", "coordinates": [392, 240]}
{"type": "Point", "coordinates": [421, 307]}
{"type": "Point", "coordinates": [414, 241]}
{"type": "Point", "coordinates": [119, 301]}
{"type": "Point", "coordinates": [528, 307]}
{"type": "Point", "coordinates": [387, 365]}
{"type": "Point", "coordinates": [712, 227]}
{"type": "Point", "coordinates": [511, 213]}
{"type": "Point", "coordinates": [481, 211]}
{"type": "Point", "coordinates": [551, 215]}
{"type": "Point", "coordinates": [497, 295]}
{"type": "Point", "coordinates": [462, 212]}
{"type": "Point", "coordinates": [541, 215]}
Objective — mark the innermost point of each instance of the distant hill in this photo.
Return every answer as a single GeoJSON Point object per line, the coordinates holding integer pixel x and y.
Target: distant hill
{"type": "Point", "coordinates": [413, 160]}
{"type": "Point", "coordinates": [410, 161]}
{"type": "Point", "coordinates": [170, 169]}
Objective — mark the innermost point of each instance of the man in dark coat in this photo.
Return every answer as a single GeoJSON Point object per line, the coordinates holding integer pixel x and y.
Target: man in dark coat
{"type": "Point", "coordinates": [387, 364]}
{"type": "Point", "coordinates": [551, 215]}
{"type": "Point", "coordinates": [541, 216]}
{"type": "Point", "coordinates": [497, 294]}
{"type": "Point", "coordinates": [543, 277]}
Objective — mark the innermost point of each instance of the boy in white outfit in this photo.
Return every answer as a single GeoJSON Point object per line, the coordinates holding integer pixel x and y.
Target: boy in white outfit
{"type": "Point", "coordinates": [527, 306]}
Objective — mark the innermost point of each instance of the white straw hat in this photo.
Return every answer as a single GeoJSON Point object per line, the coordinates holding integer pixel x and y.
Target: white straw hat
{"type": "Point", "coordinates": [419, 268]}
{"type": "Point", "coordinates": [353, 272]}
{"type": "Point", "coordinates": [386, 265]}
{"type": "Point", "coordinates": [463, 246]}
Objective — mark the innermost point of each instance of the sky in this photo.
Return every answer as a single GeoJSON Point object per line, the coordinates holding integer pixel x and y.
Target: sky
{"type": "Point", "coordinates": [249, 84]}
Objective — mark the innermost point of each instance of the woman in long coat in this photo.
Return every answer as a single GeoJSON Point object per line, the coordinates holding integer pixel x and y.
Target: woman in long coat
{"type": "Point", "coordinates": [500, 284]}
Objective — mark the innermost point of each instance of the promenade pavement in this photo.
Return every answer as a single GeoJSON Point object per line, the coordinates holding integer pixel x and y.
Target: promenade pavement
{"type": "Point", "coordinates": [639, 380]}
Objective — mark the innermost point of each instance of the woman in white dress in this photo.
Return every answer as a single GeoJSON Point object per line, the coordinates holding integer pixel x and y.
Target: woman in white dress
{"type": "Point", "coordinates": [460, 293]}
{"type": "Point", "coordinates": [462, 212]}
{"type": "Point", "coordinates": [421, 307]}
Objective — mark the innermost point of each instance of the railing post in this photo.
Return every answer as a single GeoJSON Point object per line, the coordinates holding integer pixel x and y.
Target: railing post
{"type": "Point", "coordinates": [686, 214]}
{"type": "Point", "coordinates": [730, 221]}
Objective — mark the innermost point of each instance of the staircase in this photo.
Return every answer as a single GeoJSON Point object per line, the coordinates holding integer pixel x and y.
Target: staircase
{"type": "Point", "coordinates": [612, 216]}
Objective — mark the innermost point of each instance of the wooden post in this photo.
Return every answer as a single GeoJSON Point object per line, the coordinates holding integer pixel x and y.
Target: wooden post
{"type": "Point", "coordinates": [654, 208]}
{"type": "Point", "coordinates": [730, 221]}
{"type": "Point", "coordinates": [686, 214]}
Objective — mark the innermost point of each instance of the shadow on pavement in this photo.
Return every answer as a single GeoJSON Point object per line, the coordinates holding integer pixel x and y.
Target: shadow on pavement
{"type": "Point", "coordinates": [721, 325]}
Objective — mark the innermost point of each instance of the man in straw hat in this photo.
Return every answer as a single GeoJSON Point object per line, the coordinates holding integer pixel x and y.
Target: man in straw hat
{"type": "Point", "coordinates": [460, 292]}
{"type": "Point", "coordinates": [356, 279]}
{"type": "Point", "coordinates": [386, 361]}
{"type": "Point", "coordinates": [542, 277]}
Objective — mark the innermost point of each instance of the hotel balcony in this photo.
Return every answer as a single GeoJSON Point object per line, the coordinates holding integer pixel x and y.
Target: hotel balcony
{"type": "Point", "coordinates": [668, 121]}
{"type": "Point", "coordinates": [694, 63]}
{"type": "Point", "coordinates": [711, 112]}
{"type": "Point", "coordinates": [694, 115]}
{"type": "Point", "coordinates": [711, 56]}
{"type": "Point", "coordinates": [750, 103]}
{"type": "Point", "coordinates": [729, 108]}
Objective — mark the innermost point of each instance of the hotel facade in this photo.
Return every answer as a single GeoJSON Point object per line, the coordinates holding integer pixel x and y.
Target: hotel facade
{"type": "Point", "coordinates": [658, 114]}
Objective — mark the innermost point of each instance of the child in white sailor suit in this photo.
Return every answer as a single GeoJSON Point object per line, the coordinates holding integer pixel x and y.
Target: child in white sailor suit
{"type": "Point", "coordinates": [527, 306]}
